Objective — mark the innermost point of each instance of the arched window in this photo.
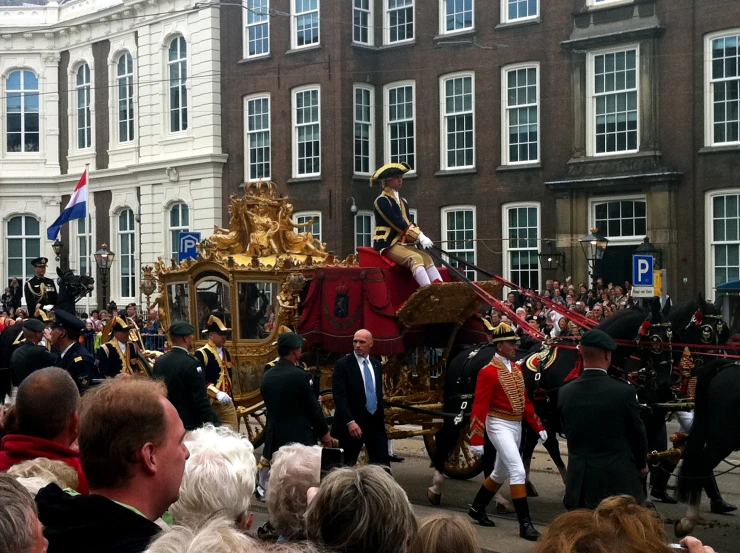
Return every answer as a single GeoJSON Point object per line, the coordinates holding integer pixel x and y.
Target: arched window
{"type": "Point", "coordinates": [82, 92]}
{"type": "Point", "coordinates": [127, 247]}
{"type": "Point", "coordinates": [179, 221]}
{"type": "Point", "coordinates": [125, 81]}
{"type": "Point", "coordinates": [177, 64]}
{"type": "Point", "coordinates": [22, 92]}
{"type": "Point", "coordinates": [24, 244]}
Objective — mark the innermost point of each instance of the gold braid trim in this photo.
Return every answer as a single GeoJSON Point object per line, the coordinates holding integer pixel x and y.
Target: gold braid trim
{"type": "Point", "coordinates": [512, 384]}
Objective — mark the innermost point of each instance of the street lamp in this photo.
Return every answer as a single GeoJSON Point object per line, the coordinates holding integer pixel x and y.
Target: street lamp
{"type": "Point", "coordinates": [594, 246]}
{"type": "Point", "coordinates": [104, 259]}
{"type": "Point", "coordinates": [550, 256]}
{"type": "Point", "coordinates": [646, 248]}
{"type": "Point", "coordinates": [57, 246]}
{"type": "Point", "coordinates": [148, 284]}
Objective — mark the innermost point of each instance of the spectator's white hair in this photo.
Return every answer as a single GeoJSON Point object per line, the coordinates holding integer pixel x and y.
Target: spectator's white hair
{"type": "Point", "coordinates": [38, 473]}
{"type": "Point", "coordinates": [293, 470]}
{"type": "Point", "coordinates": [218, 479]}
{"type": "Point", "coordinates": [217, 535]}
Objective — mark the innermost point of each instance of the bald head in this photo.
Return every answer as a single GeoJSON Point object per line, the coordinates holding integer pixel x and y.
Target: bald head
{"type": "Point", "coordinates": [362, 342]}
{"type": "Point", "coordinates": [47, 400]}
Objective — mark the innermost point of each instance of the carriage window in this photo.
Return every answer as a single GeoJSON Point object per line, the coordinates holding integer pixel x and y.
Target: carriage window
{"type": "Point", "coordinates": [257, 309]}
{"type": "Point", "coordinates": [179, 302]}
{"type": "Point", "coordinates": [212, 296]}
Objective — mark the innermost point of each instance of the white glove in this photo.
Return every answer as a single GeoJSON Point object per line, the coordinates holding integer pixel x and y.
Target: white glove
{"type": "Point", "coordinates": [477, 450]}
{"type": "Point", "coordinates": [543, 436]}
{"type": "Point", "coordinates": [424, 241]}
{"type": "Point", "coordinates": [223, 397]}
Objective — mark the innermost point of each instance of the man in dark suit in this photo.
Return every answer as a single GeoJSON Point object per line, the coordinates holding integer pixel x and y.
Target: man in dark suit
{"type": "Point", "coordinates": [39, 290]}
{"type": "Point", "coordinates": [183, 376]}
{"type": "Point", "coordinates": [607, 444]}
{"type": "Point", "coordinates": [357, 387]}
{"type": "Point", "coordinates": [30, 356]}
{"type": "Point", "coordinates": [75, 359]}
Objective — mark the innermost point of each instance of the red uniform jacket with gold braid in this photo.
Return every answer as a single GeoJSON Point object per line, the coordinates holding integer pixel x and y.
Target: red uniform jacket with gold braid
{"type": "Point", "coordinates": [501, 394]}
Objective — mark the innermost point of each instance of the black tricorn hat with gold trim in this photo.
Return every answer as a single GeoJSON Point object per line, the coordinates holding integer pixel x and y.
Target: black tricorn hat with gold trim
{"type": "Point", "coordinates": [120, 325]}
{"type": "Point", "coordinates": [216, 323]}
{"type": "Point", "coordinates": [504, 333]}
{"type": "Point", "coordinates": [390, 170]}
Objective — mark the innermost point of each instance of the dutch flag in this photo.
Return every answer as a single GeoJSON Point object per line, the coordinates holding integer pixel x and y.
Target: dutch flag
{"type": "Point", "coordinates": [76, 208]}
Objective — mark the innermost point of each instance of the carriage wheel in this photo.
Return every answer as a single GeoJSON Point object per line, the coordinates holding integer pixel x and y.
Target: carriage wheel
{"type": "Point", "coordinates": [254, 423]}
{"type": "Point", "coordinates": [462, 464]}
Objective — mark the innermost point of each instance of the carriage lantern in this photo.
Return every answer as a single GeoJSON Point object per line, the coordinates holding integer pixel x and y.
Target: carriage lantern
{"type": "Point", "coordinates": [148, 284]}
{"type": "Point", "coordinates": [646, 248]}
{"type": "Point", "coordinates": [104, 259]}
{"type": "Point", "coordinates": [594, 246]}
{"type": "Point", "coordinates": [550, 256]}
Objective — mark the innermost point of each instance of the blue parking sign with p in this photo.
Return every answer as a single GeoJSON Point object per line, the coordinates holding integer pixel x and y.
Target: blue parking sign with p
{"type": "Point", "coordinates": [642, 270]}
{"type": "Point", "coordinates": [187, 246]}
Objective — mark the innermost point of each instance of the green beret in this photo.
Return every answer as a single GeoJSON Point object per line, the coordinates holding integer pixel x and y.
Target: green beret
{"type": "Point", "coordinates": [290, 340]}
{"type": "Point", "coordinates": [35, 325]}
{"type": "Point", "coordinates": [598, 339]}
{"type": "Point", "coordinates": [181, 328]}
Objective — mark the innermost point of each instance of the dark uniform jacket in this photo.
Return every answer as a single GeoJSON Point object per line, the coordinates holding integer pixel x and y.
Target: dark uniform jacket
{"type": "Point", "coordinates": [392, 221]}
{"type": "Point", "coordinates": [348, 389]}
{"type": "Point", "coordinates": [212, 368]}
{"type": "Point", "coordinates": [36, 295]}
{"type": "Point", "coordinates": [293, 411]}
{"type": "Point", "coordinates": [185, 388]}
{"type": "Point", "coordinates": [80, 364]}
{"type": "Point", "coordinates": [30, 357]}
{"type": "Point", "coordinates": [109, 363]}
{"type": "Point", "coordinates": [606, 439]}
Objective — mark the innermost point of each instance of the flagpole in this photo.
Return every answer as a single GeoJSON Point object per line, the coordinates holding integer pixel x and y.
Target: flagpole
{"type": "Point", "coordinates": [88, 237]}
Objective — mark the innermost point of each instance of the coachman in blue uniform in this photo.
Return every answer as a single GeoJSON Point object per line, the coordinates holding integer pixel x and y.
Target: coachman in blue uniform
{"type": "Point", "coordinates": [118, 355]}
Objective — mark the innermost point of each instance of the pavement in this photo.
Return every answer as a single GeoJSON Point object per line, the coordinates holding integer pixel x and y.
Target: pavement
{"type": "Point", "coordinates": [722, 532]}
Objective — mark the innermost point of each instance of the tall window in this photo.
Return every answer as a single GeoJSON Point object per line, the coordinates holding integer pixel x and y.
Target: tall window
{"type": "Point", "coordinates": [518, 10]}
{"type": "Point", "coordinates": [621, 218]}
{"type": "Point", "coordinates": [305, 23]}
{"type": "Point", "coordinates": [22, 103]}
{"type": "Point", "coordinates": [24, 244]}
{"type": "Point", "coordinates": [307, 132]}
{"type": "Point", "coordinates": [258, 28]}
{"type": "Point", "coordinates": [82, 91]}
{"type": "Point", "coordinates": [521, 120]}
{"type": "Point", "coordinates": [613, 110]}
{"type": "Point", "coordinates": [457, 15]}
{"type": "Point", "coordinates": [521, 233]}
{"type": "Point", "coordinates": [179, 221]}
{"type": "Point", "coordinates": [84, 243]}
{"type": "Point", "coordinates": [362, 21]}
{"type": "Point", "coordinates": [125, 78]}
{"type": "Point", "coordinates": [726, 237]}
{"type": "Point", "coordinates": [258, 141]}
{"type": "Point", "coordinates": [724, 85]}
{"type": "Point", "coordinates": [400, 138]}
{"type": "Point", "coordinates": [458, 233]}
{"type": "Point", "coordinates": [399, 20]}
{"type": "Point", "coordinates": [364, 111]}
{"type": "Point", "coordinates": [127, 257]}
{"type": "Point", "coordinates": [364, 225]}
{"type": "Point", "coordinates": [458, 127]}
{"type": "Point", "coordinates": [303, 217]}
{"type": "Point", "coordinates": [177, 64]}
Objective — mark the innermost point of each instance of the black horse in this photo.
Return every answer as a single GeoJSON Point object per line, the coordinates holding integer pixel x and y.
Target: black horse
{"type": "Point", "coordinates": [72, 288]}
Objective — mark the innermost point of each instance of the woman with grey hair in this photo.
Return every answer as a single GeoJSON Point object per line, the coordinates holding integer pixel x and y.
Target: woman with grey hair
{"type": "Point", "coordinates": [362, 510]}
{"type": "Point", "coordinates": [218, 479]}
{"type": "Point", "coordinates": [20, 529]}
{"type": "Point", "coordinates": [294, 469]}
{"type": "Point", "coordinates": [217, 535]}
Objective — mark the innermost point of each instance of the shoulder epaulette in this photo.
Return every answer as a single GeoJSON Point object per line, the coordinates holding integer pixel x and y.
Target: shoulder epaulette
{"type": "Point", "coordinates": [78, 359]}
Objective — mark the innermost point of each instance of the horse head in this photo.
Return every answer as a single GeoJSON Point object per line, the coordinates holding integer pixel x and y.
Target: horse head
{"type": "Point", "coordinates": [706, 325]}
{"type": "Point", "coordinates": [654, 339]}
{"type": "Point", "coordinates": [75, 286]}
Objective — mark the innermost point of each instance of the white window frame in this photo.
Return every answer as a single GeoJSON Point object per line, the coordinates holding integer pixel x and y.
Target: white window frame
{"type": "Point", "coordinates": [444, 119]}
{"type": "Point", "coordinates": [606, 3]}
{"type": "Point", "coordinates": [387, 22]}
{"type": "Point", "coordinates": [634, 240]}
{"type": "Point", "coordinates": [591, 100]}
{"type": "Point", "coordinates": [413, 214]}
{"type": "Point", "coordinates": [247, 26]}
{"type": "Point", "coordinates": [294, 122]}
{"type": "Point", "coordinates": [370, 18]}
{"type": "Point", "coordinates": [387, 122]}
{"type": "Point", "coordinates": [306, 215]}
{"type": "Point", "coordinates": [24, 237]}
{"type": "Point", "coordinates": [173, 245]}
{"type": "Point", "coordinates": [446, 243]}
{"type": "Point", "coordinates": [294, 16]}
{"type": "Point", "coordinates": [131, 87]}
{"type": "Point", "coordinates": [709, 241]}
{"type": "Point", "coordinates": [370, 123]}
{"type": "Point", "coordinates": [506, 112]}
{"type": "Point", "coordinates": [83, 119]}
{"type": "Point", "coordinates": [85, 238]}
{"type": "Point", "coordinates": [22, 92]}
{"type": "Point", "coordinates": [443, 19]}
{"type": "Point", "coordinates": [505, 13]}
{"type": "Point", "coordinates": [709, 88]}
{"type": "Point", "coordinates": [183, 107]}
{"type": "Point", "coordinates": [133, 265]}
{"type": "Point", "coordinates": [249, 136]}
{"type": "Point", "coordinates": [507, 249]}
{"type": "Point", "coordinates": [371, 215]}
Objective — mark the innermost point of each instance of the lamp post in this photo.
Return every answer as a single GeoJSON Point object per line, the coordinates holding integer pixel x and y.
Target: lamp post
{"type": "Point", "coordinates": [594, 246]}
{"type": "Point", "coordinates": [58, 247]}
{"type": "Point", "coordinates": [148, 285]}
{"type": "Point", "coordinates": [646, 248]}
{"type": "Point", "coordinates": [104, 259]}
{"type": "Point", "coordinates": [550, 256]}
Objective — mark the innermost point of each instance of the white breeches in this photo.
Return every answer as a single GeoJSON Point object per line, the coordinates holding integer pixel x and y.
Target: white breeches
{"type": "Point", "coordinates": [505, 437]}
{"type": "Point", "coordinates": [685, 419]}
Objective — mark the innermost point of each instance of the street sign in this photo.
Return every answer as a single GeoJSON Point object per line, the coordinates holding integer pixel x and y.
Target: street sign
{"type": "Point", "coordinates": [642, 270]}
{"type": "Point", "coordinates": [643, 292]}
{"type": "Point", "coordinates": [187, 245]}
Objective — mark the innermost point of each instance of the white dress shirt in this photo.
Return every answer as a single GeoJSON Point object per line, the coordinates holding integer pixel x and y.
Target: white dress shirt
{"type": "Point", "coordinates": [505, 361]}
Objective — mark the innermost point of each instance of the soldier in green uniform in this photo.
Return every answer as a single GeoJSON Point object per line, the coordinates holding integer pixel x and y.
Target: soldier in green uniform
{"type": "Point", "coordinates": [75, 359]}
{"type": "Point", "coordinates": [39, 290]}
{"type": "Point", "coordinates": [30, 356]}
{"type": "Point", "coordinates": [183, 376]}
{"type": "Point", "coordinates": [118, 355]}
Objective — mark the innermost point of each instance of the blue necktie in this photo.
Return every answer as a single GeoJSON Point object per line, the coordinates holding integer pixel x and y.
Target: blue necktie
{"type": "Point", "coordinates": [371, 400]}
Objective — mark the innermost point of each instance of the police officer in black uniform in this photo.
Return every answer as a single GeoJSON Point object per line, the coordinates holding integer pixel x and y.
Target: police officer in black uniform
{"type": "Point", "coordinates": [30, 356]}
{"type": "Point", "coordinates": [39, 290]}
{"type": "Point", "coordinates": [118, 355]}
{"type": "Point", "coordinates": [75, 359]}
{"type": "Point", "coordinates": [183, 376]}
